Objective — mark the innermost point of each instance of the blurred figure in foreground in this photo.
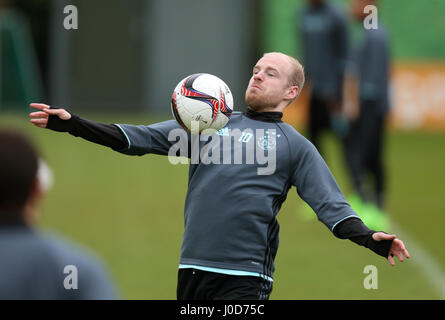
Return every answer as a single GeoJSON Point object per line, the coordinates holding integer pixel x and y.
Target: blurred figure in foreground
{"type": "Point", "coordinates": [32, 265]}
{"type": "Point", "coordinates": [366, 105]}
{"type": "Point", "coordinates": [325, 40]}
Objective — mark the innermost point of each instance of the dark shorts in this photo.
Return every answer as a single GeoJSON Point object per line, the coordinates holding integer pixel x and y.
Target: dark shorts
{"type": "Point", "coordinates": [196, 284]}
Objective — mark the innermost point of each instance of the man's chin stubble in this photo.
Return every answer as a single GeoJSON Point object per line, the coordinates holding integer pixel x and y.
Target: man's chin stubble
{"type": "Point", "coordinates": [256, 104]}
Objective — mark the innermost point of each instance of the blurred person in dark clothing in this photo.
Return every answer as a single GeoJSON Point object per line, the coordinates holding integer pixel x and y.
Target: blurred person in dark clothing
{"type": "Point", "coordinates": [34, 265]}
{"type": "Point", "coordinates": [325, 40]}
{"type": "Point", "coordinates": [368, 87]}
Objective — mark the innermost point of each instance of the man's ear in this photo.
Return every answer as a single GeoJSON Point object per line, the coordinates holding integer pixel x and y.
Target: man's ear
{"type": "Point", "coordinates": [292, 93]}
{"type": "Point", "coordinates": [40, 187]}
{"type": "Point", "coordinates": [44, 176]}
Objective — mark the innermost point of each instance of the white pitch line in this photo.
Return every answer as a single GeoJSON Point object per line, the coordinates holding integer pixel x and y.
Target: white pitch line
{"type": "Point", "coordinates": [425, 262]}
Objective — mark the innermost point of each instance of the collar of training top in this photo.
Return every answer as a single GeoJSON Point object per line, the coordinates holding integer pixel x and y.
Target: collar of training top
{"type": "Point", "coordinates": [271, 116]}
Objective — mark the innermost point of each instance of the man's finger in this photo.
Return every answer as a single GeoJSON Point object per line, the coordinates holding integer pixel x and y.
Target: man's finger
{"type": "Point", "coordinates": [379, 236]}
{"type": "Point", "coordinates": [54, 111]}
{"type": "Point", "coordinates": [40, 106]}
{"type": "Point", "coordinates": [38, 114]}
{"type": "Point", "coordinates": [391, 260]}
{"type": "Point", "coordinates": [400, 256]}
{"type": "Point", "coordinates": [406, 253]}
{"type": "Point", "coordinates": [39, 121]}
{"type": "Point", "coordinates": [401, 248]}
{"type": "Point", "coordinates": [61, 113]}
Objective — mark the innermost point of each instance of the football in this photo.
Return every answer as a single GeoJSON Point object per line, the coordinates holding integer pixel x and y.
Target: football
{"type": "Point", "coordinates": [202, 101]}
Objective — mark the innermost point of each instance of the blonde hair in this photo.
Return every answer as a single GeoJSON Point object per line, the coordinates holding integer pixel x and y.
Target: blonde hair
{"type": "Point", "coordinates": [296, 77]}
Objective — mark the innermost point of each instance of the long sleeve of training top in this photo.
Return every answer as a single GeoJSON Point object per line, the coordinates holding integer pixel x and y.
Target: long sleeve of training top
{"type": "Point", "coordinates": [107, 135]}
{"type": "Point", "coordinates": [356, 231]}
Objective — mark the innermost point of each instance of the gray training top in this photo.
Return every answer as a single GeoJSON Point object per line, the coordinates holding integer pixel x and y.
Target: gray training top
{"type": "Point", "coordinates": [231, 207]}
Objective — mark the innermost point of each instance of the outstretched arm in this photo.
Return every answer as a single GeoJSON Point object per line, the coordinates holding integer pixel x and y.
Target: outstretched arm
{"type": "Point", "coordinates": [62, 121]}
{"type": "Point", "coordinates": [317, 186]}
{"type": "Point", "coordinates": [129, 139]}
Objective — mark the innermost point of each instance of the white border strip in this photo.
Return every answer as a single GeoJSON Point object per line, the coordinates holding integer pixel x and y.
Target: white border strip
{"type": "Point", "coordinates": [123, 131]}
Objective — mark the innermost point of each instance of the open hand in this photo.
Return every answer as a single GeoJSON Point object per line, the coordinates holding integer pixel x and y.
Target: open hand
{"type": "Point", "coordinates": [40, 118]}
{"type": "Point", "coordinates": [397, 247]}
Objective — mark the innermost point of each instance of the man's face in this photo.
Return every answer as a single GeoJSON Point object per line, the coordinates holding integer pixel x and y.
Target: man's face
{"type": "Point", "coordinates": [269, 82]}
